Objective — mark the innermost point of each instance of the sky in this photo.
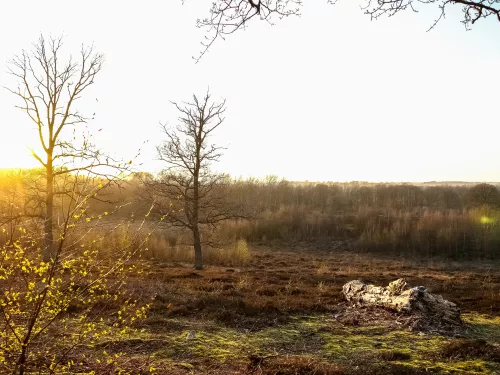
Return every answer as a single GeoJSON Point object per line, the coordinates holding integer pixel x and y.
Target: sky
{"type": "Point", "coordinates": [329, 96]}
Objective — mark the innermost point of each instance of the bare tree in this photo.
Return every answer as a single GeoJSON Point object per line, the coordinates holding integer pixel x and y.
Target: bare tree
{"type": "Point", "coordinates": [483, 195]}
{"type": "Point", "coordinates": [227, 16]}
{"type": "Point", "coordinates": [473, 10]}
{"type": "Point", "coordinates": [187, 193]}
{"type": "Point", "coordinates": [49, 87]}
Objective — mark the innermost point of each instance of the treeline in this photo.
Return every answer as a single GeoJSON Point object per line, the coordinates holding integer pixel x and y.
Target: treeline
{"type": "Point", "coordinates": [448, 221]}
{"type": "Point", "coordinates": [460, 222]}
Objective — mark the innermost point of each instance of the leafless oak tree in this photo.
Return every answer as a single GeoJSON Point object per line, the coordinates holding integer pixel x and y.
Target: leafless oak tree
{"type": "Point", "coordinates": [187, 193]}
{"type": "Point", "coordinates": [49, 87]}
{"type": "Point", "coordinates": [227, 16]}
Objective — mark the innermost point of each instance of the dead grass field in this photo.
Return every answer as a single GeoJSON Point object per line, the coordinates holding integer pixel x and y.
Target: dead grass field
{"type": "Point", "coordinates": [283, 313]}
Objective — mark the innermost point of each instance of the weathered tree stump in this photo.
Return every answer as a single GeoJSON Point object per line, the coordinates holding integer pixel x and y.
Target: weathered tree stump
{"type": "Point", "coordinates": [426, 311]}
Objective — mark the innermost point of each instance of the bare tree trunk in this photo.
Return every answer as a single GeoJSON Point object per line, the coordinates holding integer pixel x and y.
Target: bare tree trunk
{"type": "Point", "coordinates": [48, 251]}
{"type": "Point", "coordinates": [198, 259]}
{"type": "Point", "coordinates": [21, 363]}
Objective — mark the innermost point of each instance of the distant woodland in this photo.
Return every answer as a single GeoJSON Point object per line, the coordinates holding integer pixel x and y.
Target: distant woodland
{"type": "Point", "coordinates": [453, 221]}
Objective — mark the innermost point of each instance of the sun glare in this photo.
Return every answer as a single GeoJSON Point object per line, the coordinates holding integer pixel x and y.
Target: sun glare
{"type": "Point", "coordinates": [486, 220]}
{"type": "Point", "coordinates": [14, 155]}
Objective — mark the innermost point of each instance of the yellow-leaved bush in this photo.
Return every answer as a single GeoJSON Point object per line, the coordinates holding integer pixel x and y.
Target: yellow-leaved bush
{"type": "Point", "coordinates": [55, 316]}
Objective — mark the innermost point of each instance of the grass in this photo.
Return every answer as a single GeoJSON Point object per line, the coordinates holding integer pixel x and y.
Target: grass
{"type": "Point", "coordinates": [282, 313]}
{"type": "Point", "coordinates": [308, 341]}
{"type": "Point", "coordinates": [228, 253]}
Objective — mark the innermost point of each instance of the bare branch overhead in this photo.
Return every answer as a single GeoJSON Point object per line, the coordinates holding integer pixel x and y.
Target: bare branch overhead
{"type": "Point", "coordinates": [228, 16]}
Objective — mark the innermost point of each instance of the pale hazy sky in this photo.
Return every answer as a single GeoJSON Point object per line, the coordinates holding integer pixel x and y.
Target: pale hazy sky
{"type": "Point", "coordinates": [328, 96]}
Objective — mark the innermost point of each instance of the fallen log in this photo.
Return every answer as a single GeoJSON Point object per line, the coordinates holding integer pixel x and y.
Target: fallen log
{"type": "Point", "coordinates": [428, 311]}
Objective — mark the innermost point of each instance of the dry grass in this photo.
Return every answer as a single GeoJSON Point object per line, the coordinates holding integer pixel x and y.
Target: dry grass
{"type": "Point", "coordinates": [446, 233]}
{"type": "Point", "coordinates": [467, 349]}
{"type": "Point", "coordinates": [278, 314]}
{"type": "Point", "coordinates": [167, 249]}
{"type": "Point", "coordinates": [275, 316]}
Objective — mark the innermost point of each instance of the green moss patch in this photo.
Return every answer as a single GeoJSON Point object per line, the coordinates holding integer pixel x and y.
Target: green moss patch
{"type": "Point", "coordinates": [322, 340]}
